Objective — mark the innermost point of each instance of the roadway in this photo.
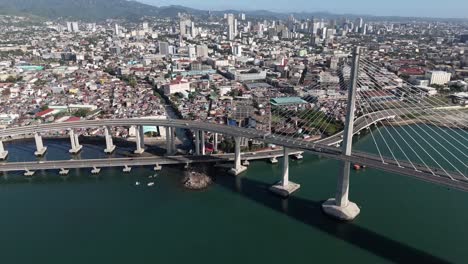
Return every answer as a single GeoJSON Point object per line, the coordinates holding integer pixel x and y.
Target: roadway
{"type": "Point", "coordinates": [139, 161]}
{"type": "Point", "coordinates": [320, 148]}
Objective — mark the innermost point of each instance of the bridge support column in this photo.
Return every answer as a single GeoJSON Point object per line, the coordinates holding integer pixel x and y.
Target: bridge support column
{"type": "Point", "coordinates": [29, 173]}
{"type": "Point", "coordinates": [40, 149]}
{"type": "Point", "coordinates": [238, 168]}
{"type": "Point", "coordinates": [3, 152]}
{"type": "Point", "coordinates": [140, 140]}
{"type": "Point", "coordinates": [173, 141]}
{"type": "Point", "coordinates": [110, 147]}
{"type": "Point", "coordinates": [95, 170]}
{"type": "Point", "coordinates": [157, 167]}
{"type": "Point", "coordinates": [168, 141]}
{"type": "Point", "coordinates": [75, 144]}
{"type": "Point", "coordinates": [202, 135]}
{"type": "Point", "coordinates": [215, 142]}
{"type": "Point", "coordinates": [197, 142]}
{"type": "Point", "coordinates": [340, 207]}
{"type": "Point", "coordinates": [127, 169]}
{"type": "Point", "coordinates": [285, 187]}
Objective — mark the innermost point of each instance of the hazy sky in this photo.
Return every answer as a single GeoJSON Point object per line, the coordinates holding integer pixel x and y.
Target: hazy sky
{"type": "Point", "coordinates": [420, 8]}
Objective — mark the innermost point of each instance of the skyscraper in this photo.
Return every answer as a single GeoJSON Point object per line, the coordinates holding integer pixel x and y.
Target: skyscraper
{"type": "Point", "coordinates": [69, 27]}
{"type": "Point", "coordinates": [237, 50]}
{"type": "Point", "coordinates": [192, 52]}
{"type": "Point", "coordinates": [75, 27]}
{"type": "Point", "coordinates": [232, 27]}
{"type": "Point", "coordinates": [202, 51]}
{"type": "Point", "coordinates": [184, 24]}
{"type": "Point", "coordinates": [164, 48]}
{"type": "Point", "coordinates": [117, 29]}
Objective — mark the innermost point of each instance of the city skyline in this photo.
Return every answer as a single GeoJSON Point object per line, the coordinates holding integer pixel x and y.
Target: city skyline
{"type": "Point", "coordinates": [418, 8]}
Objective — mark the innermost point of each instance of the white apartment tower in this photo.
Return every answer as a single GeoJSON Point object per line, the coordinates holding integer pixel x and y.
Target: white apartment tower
{"type": "Point", "coordinates": [232, 27]}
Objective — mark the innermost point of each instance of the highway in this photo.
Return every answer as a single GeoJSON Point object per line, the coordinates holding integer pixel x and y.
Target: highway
{"type": "Point", "coordinates": [140, 161]}
{"type": "Point", "coordinates": [325, 147]}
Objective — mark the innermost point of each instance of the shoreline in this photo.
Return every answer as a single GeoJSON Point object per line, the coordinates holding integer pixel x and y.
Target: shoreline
{"type": "Point", "coordinates": [426, 122]}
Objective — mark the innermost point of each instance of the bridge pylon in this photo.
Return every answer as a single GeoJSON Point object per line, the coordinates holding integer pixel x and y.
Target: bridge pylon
{"type": "Point", "coordinates": [340, 207]}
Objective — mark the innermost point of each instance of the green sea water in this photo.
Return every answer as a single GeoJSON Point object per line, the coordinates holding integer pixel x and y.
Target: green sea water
{"type": "Point", "coordinates": [108, 219]}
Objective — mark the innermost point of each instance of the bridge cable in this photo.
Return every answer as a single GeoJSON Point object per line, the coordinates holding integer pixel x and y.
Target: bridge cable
{"type": "Point", "coordinates": [401, 112]}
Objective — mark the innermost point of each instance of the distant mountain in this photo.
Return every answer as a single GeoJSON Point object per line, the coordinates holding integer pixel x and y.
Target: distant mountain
{"type": "Point", "coordinates": [133, 10]}
{"type": "Point", "coordinates": [79, 9]}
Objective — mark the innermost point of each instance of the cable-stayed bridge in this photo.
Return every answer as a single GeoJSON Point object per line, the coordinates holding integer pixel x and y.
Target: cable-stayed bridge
{"type": "Point", "coordinates": [421, 136]}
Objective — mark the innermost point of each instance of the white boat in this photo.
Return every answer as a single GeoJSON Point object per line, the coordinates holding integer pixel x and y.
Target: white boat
{"type": "Point", "coordinates": [137, 183]}
{"type": "Point", "coordinates": [150, 183]}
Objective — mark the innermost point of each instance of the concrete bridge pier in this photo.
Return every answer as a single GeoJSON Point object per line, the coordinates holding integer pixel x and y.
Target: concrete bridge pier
{"type": "Point", "coordinates": [140, 140]}
{"type": "Point", "coordinates": [157, 167]}
{"type": "Point", "coordinates": [127, 169]}
{"type": "Point", "coordinates": [168, 141]}
{"type": "Point", "coordinates": [3, 152]}
{"type": "Point", "coordinates": [215, 142]}
{"type": "Point", "coordinates": [95, 170]}
{"type": "Point", "coordinates": [29, 173]}
{"type": "Point", "coordinates": [299, 156]}
{"type": "Point", "coordinates": [110, 147]}
{"type": "Point", "coordinates": [340, 207]}
{"type": "Point", "coordinates": [75, 144]}
{"type": "Point", "coordinates": [285, 187]}
{"type": "Point", "coordinates": [238, 168]}
{"type": "Point", "coordinates": [202, 135]}
{"type": "Point", "coordinates": [173, 141]}
{"type": "Point", "coordinates": [197, 142]}
{"type": "Point", "coordinates": [40, 149]}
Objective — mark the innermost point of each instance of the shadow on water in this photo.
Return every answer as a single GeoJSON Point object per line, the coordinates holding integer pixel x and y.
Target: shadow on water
{"type": "Point", "coordinates": [310, 213]}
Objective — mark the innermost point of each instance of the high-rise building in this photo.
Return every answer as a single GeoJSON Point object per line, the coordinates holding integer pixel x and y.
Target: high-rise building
{"type": "Point", "coordinates": [232, 27]}
{"type": "Point", "coordinates": [235, 28]}
{"type": "Point", "coordinates": [75, 27]}
{"type": "Point", "coordinates": [192, 52]}
{"type": "Point", "coordinates": [438, 77]}
{"type": "Point", "coordinates": [69, 27]}
{"type": "Point", "coordinates": [359, 22]}
{"type": "Point", "coordinates": [242, 16]}
{"type": "Point", "coordinates": [145, 26]}
{"type": "Point", "coordinates": [237, 50]}
{"type": "Point", "coordinates": [164, 48]}
{"type": "Point", "coordinates": [202, 51]}
{"type": "Point", "coordinates": [184, 25]}
{"type": "Point", "coordinates": [193, 30]}
{"type": "Point", "coordinates": [117, 29]}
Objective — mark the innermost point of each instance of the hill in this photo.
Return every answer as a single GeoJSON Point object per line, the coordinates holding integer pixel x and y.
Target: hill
{"type": "Point", "coordinates": [79, 9]}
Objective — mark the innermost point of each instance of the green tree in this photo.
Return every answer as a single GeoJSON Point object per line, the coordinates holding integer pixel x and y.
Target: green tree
{"type": "Point", "coordinates": [132, 82]}
{"type": "Point", "coordinates": [81, 112]}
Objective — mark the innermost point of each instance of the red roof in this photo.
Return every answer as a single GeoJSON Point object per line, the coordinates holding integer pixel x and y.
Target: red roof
{"type": "Point", "coordinates": [412, 71]}
{"type": "Point", "coordinates": [45, 112]}
{"type": "Point", "coordinates": [73, 119]}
